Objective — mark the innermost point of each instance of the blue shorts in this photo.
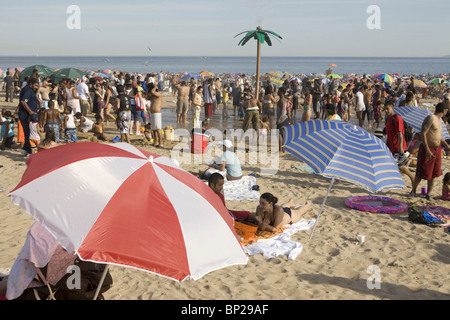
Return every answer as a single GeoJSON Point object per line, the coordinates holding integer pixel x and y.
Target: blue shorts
{"type": "Point", "coordinates": [136, 115]}
{"type": "Point", "coordinates": [71, 135]}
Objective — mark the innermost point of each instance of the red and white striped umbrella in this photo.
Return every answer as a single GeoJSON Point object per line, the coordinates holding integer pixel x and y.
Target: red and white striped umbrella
{"type": "Point", "coordinates": [117, 204]}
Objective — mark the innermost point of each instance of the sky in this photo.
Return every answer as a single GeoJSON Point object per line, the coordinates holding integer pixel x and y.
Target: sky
{"type": "Point", "coordinates": [329, 28]}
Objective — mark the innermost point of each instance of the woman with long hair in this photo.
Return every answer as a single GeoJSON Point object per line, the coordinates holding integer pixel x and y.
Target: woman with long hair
{"type": "Point", "coordinates": [271, 216]}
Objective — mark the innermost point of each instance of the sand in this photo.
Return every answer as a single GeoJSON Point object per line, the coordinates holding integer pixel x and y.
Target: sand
{"type": "Point", "coordinates": [412, 259]}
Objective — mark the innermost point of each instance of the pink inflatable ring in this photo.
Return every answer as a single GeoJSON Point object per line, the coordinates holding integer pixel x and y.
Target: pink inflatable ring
{"type": "Point", "coordinates": [395, 206]}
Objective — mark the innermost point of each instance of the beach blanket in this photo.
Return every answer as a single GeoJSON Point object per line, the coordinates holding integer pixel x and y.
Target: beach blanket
{"type": "Point", "coordinates": [241, 189]}
{"type": "Point", "coordinates": [271, 245]}
{"type": "Point", "coordinates": [438, 212]}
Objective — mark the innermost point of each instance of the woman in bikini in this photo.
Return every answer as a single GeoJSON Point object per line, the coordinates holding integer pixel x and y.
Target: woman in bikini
{"type": "Point", "coordinates": [306, 116]}
{"type": "Point", "coordinates": [268, 108]}
{"type": "Point", "coordinates": [271, 216]}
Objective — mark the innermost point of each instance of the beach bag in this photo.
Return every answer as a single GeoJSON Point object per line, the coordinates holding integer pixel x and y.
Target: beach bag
{"type": "Point", "coordinates": [139, 104]}
{"type": "Point", "coordinates": [418, 215]}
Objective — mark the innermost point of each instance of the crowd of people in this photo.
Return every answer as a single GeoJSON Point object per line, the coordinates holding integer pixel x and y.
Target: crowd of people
{"type": "Point", "coordinates": [132, 103]}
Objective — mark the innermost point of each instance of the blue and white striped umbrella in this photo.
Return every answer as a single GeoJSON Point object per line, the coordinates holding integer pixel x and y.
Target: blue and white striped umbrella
{"type": "Point", "coordinates": [414, 116]}
{"type": "Point", "coordinates": [339, 150]}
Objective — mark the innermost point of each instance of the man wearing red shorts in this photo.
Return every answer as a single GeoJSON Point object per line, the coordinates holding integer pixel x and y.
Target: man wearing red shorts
{"type": "Point", "coordinates": [429, 157]}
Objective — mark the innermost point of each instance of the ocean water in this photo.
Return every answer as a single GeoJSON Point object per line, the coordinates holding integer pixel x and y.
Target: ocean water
{"type": "Point", "coordinates": [247, 65]}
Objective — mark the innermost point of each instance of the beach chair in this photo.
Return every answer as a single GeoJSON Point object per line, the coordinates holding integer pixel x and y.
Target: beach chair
{"type": "Point", "coordinates": [44, 288]}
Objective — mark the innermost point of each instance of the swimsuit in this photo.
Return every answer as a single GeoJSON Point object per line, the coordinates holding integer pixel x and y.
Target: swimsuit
{"type": "Point", "coordinates": [288, 211]}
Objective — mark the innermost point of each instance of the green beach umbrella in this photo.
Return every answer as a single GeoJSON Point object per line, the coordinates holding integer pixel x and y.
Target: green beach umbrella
{"type": "Point", "coordinates": [67, 73]}
{"type": "Point", "coordinates": [43, 71]}
{"type": "Point", "coordinates": [439, 80]}
{"type": "Point", "coordinates": [261, 36]}
{"type": "Point", "coordinates": [333, 75]}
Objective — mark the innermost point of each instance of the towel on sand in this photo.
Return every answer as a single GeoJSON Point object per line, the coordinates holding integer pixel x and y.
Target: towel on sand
{"type": "Point", "coordinates": [241, 189]}
{"type": "Point", "coordinates": [438, 212]}
{"type": "Point", "coordinates": [281, 242]}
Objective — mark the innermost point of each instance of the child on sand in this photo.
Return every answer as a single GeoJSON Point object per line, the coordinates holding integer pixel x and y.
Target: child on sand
{"type": "Point", "coordinates": [85, 124]}
{"type": "Point", "coordinates": [446, 187]}
{"type": "Point", "coordinates": [7, 130]}
{"type": "Point", "coordinates": [35, 128]}
{"type": "Point", "coordinates": [98, 129]}
{"type": "Point", "coordinates": [69, 125]}
{"type": "Point", "coordinates": [148, 132]}
{"type": "Point", "coordinates": [265, 129]}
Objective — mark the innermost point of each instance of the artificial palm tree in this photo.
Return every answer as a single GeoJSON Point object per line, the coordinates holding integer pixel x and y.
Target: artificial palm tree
{"type": "Point", "coordinates": [260, 35]}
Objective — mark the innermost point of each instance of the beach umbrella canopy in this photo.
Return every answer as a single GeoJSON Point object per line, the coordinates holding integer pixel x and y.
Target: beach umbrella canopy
{"type": "Point", "coordinates": [67, 73]}
{"type": "Point", "coordinates": [332, 65]}
{"type": "Point", "coordinates": [333, 75]}
{"type": "Point", "coordinates": [384, 76]}
{"type": "Point", "coordinates": [187, 76]}
{"type": "Point", "coordinates": [438, 81]}
{"type": "Point", "coordinates": [419, 84]}
{"type": "Point", "coordinates": [43, 71]}
{"type": "Point", "coordinates": [274, 74]}
{"type": "Point", "coordinates": [414, 117]}
{"type": "Point", "coordinates": [340, 150]}
{"type": "Point", "coordinates": [117, 204]}
{"type": "Point", "coordinates": [207, 74]}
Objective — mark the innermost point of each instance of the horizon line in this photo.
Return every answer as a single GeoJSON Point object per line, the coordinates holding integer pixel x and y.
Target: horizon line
{"type": "Point", "coordinates": [216, 56]}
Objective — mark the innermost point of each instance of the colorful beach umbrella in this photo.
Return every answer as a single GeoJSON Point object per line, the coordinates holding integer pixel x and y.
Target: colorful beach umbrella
{"type": "Point", "coordinates": [414, 117]}
{"type": "Point", "coordinates": [207, 74]}
{"type": "Point", "coordinates": [276, 82]}
{"type": "Point", "coordinates": [117, 204]}
{"type": "Point", "coordinates": [274, 74]}
{"type": "Point", "coordinates": [332, 65]}
{"type": "Point", "coordinates": [67, 73]}
{"type": "Point", "coordinates": [340, 150]}
{"type": "Point", "coordinates": [42, 70]}
{"type": "Point", "coordinates": [384, 76]}
{"type": "Point", "coordinates": [420, 84]}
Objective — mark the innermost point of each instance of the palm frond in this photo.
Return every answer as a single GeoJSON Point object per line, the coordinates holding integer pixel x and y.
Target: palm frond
{"type": "Point", "coordinates": [243, 33]}
{"type": "Point", "coordinates": [273, 33]}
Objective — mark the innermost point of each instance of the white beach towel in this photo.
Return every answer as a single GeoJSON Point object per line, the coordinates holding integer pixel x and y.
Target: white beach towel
{"type": "Point", "coordinates": [241, 189]}
{"type": "Point", "coordinates": [282, 243]}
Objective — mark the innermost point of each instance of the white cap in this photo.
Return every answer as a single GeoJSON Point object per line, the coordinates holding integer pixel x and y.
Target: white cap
{"type": "Point", "coordinates": [226, 143]}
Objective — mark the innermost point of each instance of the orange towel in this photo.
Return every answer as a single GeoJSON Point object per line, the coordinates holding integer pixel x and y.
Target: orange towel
{"type": "Point", "coordinates": [249, 233]}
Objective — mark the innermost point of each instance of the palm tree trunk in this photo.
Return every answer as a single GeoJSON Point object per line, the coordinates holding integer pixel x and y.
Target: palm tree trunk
{"type": "Point", "coordinates": [258, 62]}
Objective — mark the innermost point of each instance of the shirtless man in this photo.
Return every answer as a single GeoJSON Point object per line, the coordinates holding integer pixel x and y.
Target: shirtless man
{"type": "Point", "coordinates": [182, 102]}
{"type": "Point", "coordinates": [368, 103]}
{"type": "Point", "coordinates": [53, 119]}
{"type": "Point", "coordinates": [43, 92]}
{"type": "Point", "coordinates": [429, 157]}
{"type": "Point", "coordinates": [155, 116]}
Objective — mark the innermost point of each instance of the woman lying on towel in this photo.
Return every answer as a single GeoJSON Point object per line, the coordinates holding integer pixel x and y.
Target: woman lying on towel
{"type": "Point", "coordinates": [271, 216]}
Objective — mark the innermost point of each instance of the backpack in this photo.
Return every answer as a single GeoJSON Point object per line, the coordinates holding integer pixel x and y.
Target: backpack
{"type": "Point", "coordinates": [409, 131]}
{"type": "Point", "coordinates": [418, 215]}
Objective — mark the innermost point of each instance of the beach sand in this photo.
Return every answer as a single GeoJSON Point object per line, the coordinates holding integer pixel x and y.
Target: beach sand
{"type": "Point", "coordinates": [412, 259]}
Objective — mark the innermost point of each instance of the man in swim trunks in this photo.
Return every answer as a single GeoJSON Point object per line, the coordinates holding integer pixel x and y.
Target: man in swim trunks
{"type": "Point", "coordinates": [429, 157]}
{"type": "Point", "coordinates": [53, 119]}
{"type": "Point", "coordinates": [155, 116]}
{"type": "Point", "coordinates": [182, 102]}
{"type": "Point", "coordinates": [124, 113]}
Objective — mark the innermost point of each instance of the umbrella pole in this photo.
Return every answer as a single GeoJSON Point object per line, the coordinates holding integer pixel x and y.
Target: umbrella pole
{"type": "Point", "coordinates": [101, 282]}
{"type": "Point", "coordinates": [321, 208]}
